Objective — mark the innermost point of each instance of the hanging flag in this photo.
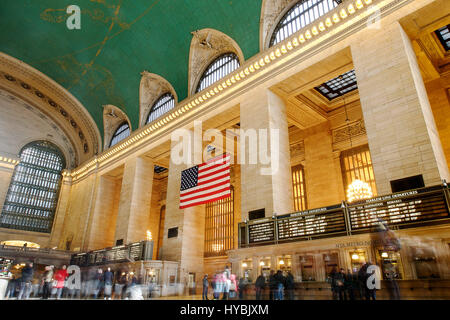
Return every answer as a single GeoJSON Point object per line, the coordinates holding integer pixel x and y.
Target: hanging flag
{"type": "Point", "coordinates": [207, 182]}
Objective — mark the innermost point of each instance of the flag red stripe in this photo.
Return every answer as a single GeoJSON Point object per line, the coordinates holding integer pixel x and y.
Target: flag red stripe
{"type": "Point", "coordinates": [212, 173]}
{"type": "Point", "coordinates": [206, 201]}
{"type": "Point", "coordinates": [216, 178]}
{"type": "Point", "coordinates": [212, 167]}
{"type": "Point", "coordinates": [206, 194]}
{"type": "Point", "coordinates": [205, 188]}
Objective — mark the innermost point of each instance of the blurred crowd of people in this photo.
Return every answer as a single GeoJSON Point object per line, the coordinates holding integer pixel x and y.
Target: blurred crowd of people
{"type": "Point", "coordinates": [280, 285]}
{"type": "Point", "coordinates": [94, 284]}
{"type": "Point", "coordinates": [356, 285]}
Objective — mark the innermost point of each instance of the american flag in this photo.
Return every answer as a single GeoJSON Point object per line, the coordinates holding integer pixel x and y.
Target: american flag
{"type": "Point", "coordinates": [207, 182]}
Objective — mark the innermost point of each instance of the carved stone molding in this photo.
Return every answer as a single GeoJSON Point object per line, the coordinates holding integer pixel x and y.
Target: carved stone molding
{"type": "Point", "coordinates": [271, 12]}
{"type": "Point", "coordinates": [53, 100]}
{"type": "Point", "coordinates": [113, 117]}
{"type": "Point", "coordinates": [207, 45]}
{"type": "Point", "coordinates": [341, 135]}
{"type": "Point", "coordinates": [151, 88]}
{"type": "Point", "coordinates": [297, 151]}
{"type": "Point", "coordinates": [354, 129]}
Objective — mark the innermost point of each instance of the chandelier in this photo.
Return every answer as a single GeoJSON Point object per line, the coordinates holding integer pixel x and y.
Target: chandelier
{"type": "Point", "coordinates": [358, 190]}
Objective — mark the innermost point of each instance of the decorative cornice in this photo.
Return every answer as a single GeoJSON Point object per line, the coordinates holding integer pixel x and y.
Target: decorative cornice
{"type": "Point", "coordinates": [23, 77]}
{"type": "Point", "coordinates": [9, 163]}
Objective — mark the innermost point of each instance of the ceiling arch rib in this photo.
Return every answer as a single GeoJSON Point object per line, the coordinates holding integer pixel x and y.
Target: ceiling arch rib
{"type": "Point", "coordinates": [207, 45]}
{"type": "Point", "coordinates": [43, 93]}
{"type": "Point", "coordinates": [151, 88]}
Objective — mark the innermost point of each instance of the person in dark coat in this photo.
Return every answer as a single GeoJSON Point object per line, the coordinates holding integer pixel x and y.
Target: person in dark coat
{"type": "Point", "coordinates": [290, 286]}
{"type": "Point", "coordinates": [98, 284]}
{"type": "Point", "coordinates": [242, 285]}
{"type": "Point", "coordinates": [279, 285]}
{"type": "Point", "coordinates": [205, 288]}
{"type": "Point", "coordinates": [25, 284]}
{"type": "Point", "coordinates": [272, 285]}
{"type": "Point", "coordinates": [362, 281]}
{"type": "Point", "coordinates": [349, 284]}
{"type": "Point", "coordinates": [339, 278]}
{"type": "Point", "coordinates": [108, 278]}
{"type": "Point", "coordinates": [332, 281]}
{"type": "Point", "coordinates": [259, 286]}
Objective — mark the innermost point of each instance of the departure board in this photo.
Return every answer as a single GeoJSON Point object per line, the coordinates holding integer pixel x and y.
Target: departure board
{"type": "Point", "coordinates": [399, 208]}
{"type": "Point", "coordinates": [136, 251]}
{"type": "Point", "coordinates": [261, 231]}
{"type": "Point", "coordinates": [311, 223]}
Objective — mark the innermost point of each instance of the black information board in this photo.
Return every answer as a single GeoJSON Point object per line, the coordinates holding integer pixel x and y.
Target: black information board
{"type": "Point", "coordinates": [309, 225]}
{"type": "Point", "coordinates": [399, 208]}
{"type": "Point", "coordinates": [134, 252]}
{"type": "Point", "coordinates": [261, 231]}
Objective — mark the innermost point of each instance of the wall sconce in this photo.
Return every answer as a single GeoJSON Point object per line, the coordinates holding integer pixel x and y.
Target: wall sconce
{"type": "Point", "coordinates": [244, 265]}
{"type": "Point", "coordinates": [355, 256]}
{"type": "Point", "coordinates": [384, 255]}
{"type": "Point", "coordinates": [281, 262]}
{"type": "Point", "coordinates": [262, 263]}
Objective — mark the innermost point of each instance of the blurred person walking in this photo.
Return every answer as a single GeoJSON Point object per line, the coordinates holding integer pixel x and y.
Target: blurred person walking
{"type": "Point", "coordinates": [205, 288]}
{"type": "Point", "coordinates": [272, 285]}
{"type": "Point", "coordinates": [47, 282]}
{"type": "Point", "coordinates": [25, 283]}
{"type": "Point", "coordinates": [280, 284]}
{"type": "Point", "coordinates": [60, 277]}
{"type": "Point", "coordinates": [340, 284]}
{"type": "Point", "coordinates": [108, 282]}
{"type": "Point", "coordinates": [233, 287]}
{"type": "Point", "coordinates": [290, 286]}
{"type": "Point", "coordinates": [260, 283]}
{"type": "Point", "coordinates": [98, 283]}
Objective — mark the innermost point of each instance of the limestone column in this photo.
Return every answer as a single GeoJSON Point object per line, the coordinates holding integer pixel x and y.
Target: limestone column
{"type": "Point", "coordinates": [187, 247]}
{"type": "Point", "coordinates": [323, 182]}
{"type": "Point", "coordinates": [102, 226]}
{"type": "Point", "coordinates": [263, 113]}
{"type": "Point", "coordinates": [63, 203]}
{"type": "Point", "coordinates": [401, 130]}
{"type": "Point", "coordinates": [135, 200]}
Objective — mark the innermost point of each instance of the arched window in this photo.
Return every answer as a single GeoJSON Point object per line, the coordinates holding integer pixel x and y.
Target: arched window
{"type": "Point", "coordinates": [164, 104]}
{"type": "Point", "coordinates": [121, 133]}
{"type": "Point", "coordinates": [33, 193]}
{"type": "Point", "coordinates": [300, 15]}
{"type": "Point", "coordinates": [219, 68]}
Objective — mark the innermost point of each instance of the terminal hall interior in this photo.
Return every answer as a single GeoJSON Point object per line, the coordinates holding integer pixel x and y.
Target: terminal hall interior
{"type": "Point", "coordinates": [92, 94]}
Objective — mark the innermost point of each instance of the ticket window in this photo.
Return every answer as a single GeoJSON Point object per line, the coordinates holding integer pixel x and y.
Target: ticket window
{"type": "Point", "coordinates": [425, 263]}
{"type": "Point", "coordinates": [331, 261]}
{"type": "Point", "coordinates": [285, 264]}
{"type": "Point", "coordinates": [391, 265]}
{"type": "Point", "coordinates": [247, 268]}
{"type": "Point", "coordinates": [358, 257]}
{"type": "Point", "coordinates": [264, 267]}
{"type": "Point", "coordinates": [307, 267]}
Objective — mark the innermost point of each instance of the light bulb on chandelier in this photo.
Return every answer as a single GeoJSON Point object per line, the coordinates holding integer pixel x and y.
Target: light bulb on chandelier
{"type": "Point", "coordinates": [358, 190]}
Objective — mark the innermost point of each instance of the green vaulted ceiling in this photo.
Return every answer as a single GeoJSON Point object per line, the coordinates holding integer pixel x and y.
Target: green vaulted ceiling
{"type": "Point", "coordinates": [101, 63]}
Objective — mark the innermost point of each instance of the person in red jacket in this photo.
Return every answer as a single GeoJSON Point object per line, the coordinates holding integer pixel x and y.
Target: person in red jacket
{"type": "Point", "coordinates": [60, 277]}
